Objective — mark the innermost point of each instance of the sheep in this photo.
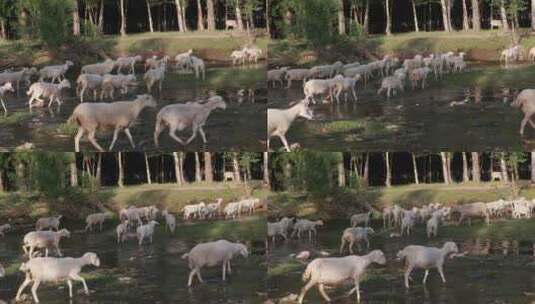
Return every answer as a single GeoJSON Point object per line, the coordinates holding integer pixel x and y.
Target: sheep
{"type": "Point", "coordinates": [120, 82]}
{"type": "Point", "coordinates": [419, 75]}
{"type": "Point", "coordinates": [426, 258]}
{"type": "Point", "coordinates": [120, 115]}
{"type": "Point", "coordinates": [7, 87]}
{"type": "Point", "coordinates": [296, 74]}
{"type": "Point", "coordinates": [55, 269]}
{"type": "Point", "coordinates": [472, 210]}
{"type": "Point", "coordinates": [335, 271]}
{"type": "Point", "coordinates": [191, 211]}
{"type": "Point", "coordinates": [276, 75]}
{"type": "Point", "coordinates": [279, 228]}
{"type": "Point", "coordinates": [432, 225]}
{"type": "Point", "coordinates": [348, 84]}
{"type": "Point", "coordinates": [279, 121]}
{"type": "Point", "coordinates": [4, 228]}
{"type": "Point", "coordinates": [88, 81]}
{"type": "Point", "coordinates": [238, 56]}
{"type": "Point", "coordinates": [183, 60]}
{"type": "Point", "coordinates": [388, 216]}
{"type": "Point", "coordinates": [43, 239]}
{"type": "Point", "coordinates": [197, 64]}
{"type": "Point", "coordinates": [232, 210]}
{"type": "Point", "coordinates": [102, 68]}
{"type": "Point", "coordinates": [249, 205]}
{"type": "Point", "coordinates": [146, 231]}
{"type": "Point", "coordinates": [526, 102]}
{"type": "Point", "coordinates": [170, 221]}
{"type": "Point", "coordinates": [52, 91]}
{"type": "Point", "coordinates": [411, 64]}
{"type": "Point", "coordinates": [363, 70]}
{"type": "Point", "coordinates": [391, 84]}
{"type": "Point", "coordinates": [360, 218]}
{"type": "Point", "coordinates": [48, 222]}
{"type": "Point", "coordinates": [55, 72]}
{"type": "Point", "coordinates": [315, 87]}
{"type": "Point", "coordinates": [407, 223]}
{"type": "Point", "coordinates": [121, 230]}
{"type": "Point", "coordinates": [326, 71]}
{"type": "Point", "coordinates": [154, 76]}
{"type": "Point", "coordinates": [125, 62]}
{"type": "Point", "coordinates": [178, 117]}
{"type": "Point", "coordinates": [17, 77]}
{"type": "Point", "coordinates": [253, 53]}
{"type": "Point", "coordinates": [211, 254]}
{"type": "Point", "coordinates": [355, 234]}
{"type": "Point", "coordinates": [214, 209]}
{"type": "Point", "coordinates": [304, 225]}
{"type": "Point", "coordinates": [132, 215]}
{"type": "Point", "coordinates": [96, 219]}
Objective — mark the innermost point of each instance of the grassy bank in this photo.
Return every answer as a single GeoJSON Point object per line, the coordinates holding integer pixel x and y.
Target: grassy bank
{"type": "Point", "coordinates": [213, 47]}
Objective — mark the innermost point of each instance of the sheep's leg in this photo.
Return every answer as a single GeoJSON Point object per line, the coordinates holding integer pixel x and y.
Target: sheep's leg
{"type": "Point", "coordinates": [129, 135]}
{"type": "Point", "coordinates": [425, 275]}
{"type": "Point", "coordinates": [351, 244]}
{"type": "Point", "coordinates": [58, 251]}
{"type": "Point", "coordinates": [3, 105]}
{"type": "Point", "coordinates": [23, 286]}
{"type": "Point", "coordinates": [91, 137]}
{"type": "Point", "coordinates": [69, 283]}
{"type": "Point", "coordinates": [203, 135]}
{"type": "Point", "coordinates": [441, 272]}
{"type": "Point", "coordinates": [229, 270]}
{"type": "Point", "coordinates": [114, 139]}
{"type": "Point", "coordinates": [407, 275]}
{"type": "Point", "coordinates": [342, 245]}
{"type": "Point", "coordinates": [305, 289]}
{"type": "Point", "coordinates": [193, 135]}
{"type": "Point", "coordinates": [285, 142]}
{"type": "Point", "coordinates": [34, 290]}
{"type": "Point", "coordinates": [321, 288]}
{"type": "Point", "coordinates": [77, 139]}
{"type": "Point", "coordinates": [224, 271]}
{"type": "Point", "coordinates": [77, 277]}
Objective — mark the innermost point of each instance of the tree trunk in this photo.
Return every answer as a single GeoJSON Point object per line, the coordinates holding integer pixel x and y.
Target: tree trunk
{"type": "Point", "coordinates": [266, 168]}
{"type": "Point", "coordinates": [388, 29]}
{"type": "Point", "coordinates": [366, 174]}
{"type": "Point", "coordinates": [476, 19]}
{"type": "Point", "coordinates": [123, 17]}
{"type": "Point", "coordinates": [466, 24]}
{"type": "Point", "coordinates": [268, 18]}
{"type": "Point", "coordinates": [415, 168]}
{"type": "Point", "coordinates": [388, 181]}
{"type": "Point", "coordinates": [198, 177]}
{"type": "Point", "coordinates": [533, 15]}
{"type": "Point", "coordinates": [415, 15]}
{"type": "Point", "coordinates": [532, 167]}
{"type": "Point", "coordinates": [99, 169]}
{"type": "Point", "coordinates": [3, 29]}
{"type": "Point", "coordinates": [101, 17]}
{"type": "Point", "coordinates": [149, 13]}
{"type": "Point", "coordinates": [465, 168]}
{"type": "Point", "coordinates": [341, 19]}
{"type": "Point", "coordinates": [239, 19]}
{"type": "Point", "coordinates": [74, 171]}
{"type": "Point", "coordinates": [503, 168]}
{"type": "Point", "coordinates": [444, 168]}
{"type": "Point", "coordinates": [200, 17]}
{"type": "Point", "coordinates": [178, 173]}
{"type": "Point", "coordinates": [236, 167]}
{"type": "Point", "coordinates": [208, 172]}
{"type": "Point", "coordinates": [75, 19]}
{"type": "Point", "coordinates": [448, 13]}
{"type": "Point", "coordinates": [120, 180]}
{"type": "Point", "coordinates": [476, 175]}
{"type": "Point", "coordinates": [366, 26]}
{"type": "Point", "coordinates": [210, 15]}
{"type": "Point", "coordinates": [445, 21]}
{"type": "Point", "coordinates": [147, 168]}
{"type": "Point", "coordinates": [448, 166]}
{"type": "Point", "coordinates": [180, 16]}
{"type": "Point", "coordinates": [2, 188]}
{"type": "Point", "coordinates": [503, 15]}
{"type": "Point", "coordinates": [341, 171]}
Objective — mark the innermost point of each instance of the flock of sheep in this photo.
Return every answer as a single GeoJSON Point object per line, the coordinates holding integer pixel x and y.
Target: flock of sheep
{"type": "Point", "coordinates": [136, 223]}
{"type": "Point", "coordinates": [330, 81]}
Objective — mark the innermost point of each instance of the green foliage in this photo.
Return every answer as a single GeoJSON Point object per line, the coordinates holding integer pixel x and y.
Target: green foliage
{"type": "Point", "coordinates": [7, 9]}
{"type": "Point", "coordinates": [314, 21]}
{"type": "Point", "coordinates": [48, 172]}
{"type": "Point", "coordinates": [50, 20]}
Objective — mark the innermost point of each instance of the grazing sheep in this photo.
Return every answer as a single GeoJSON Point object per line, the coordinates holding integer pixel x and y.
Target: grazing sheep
{"type": "Point", "coordinates": [170, 221]}
{"type": "Point", "coordinates": [296, 74]}
{"type": "Point", "coordinates": [197, 64]}
{"type": "Point", "coordinates": [96, 219]}
{"type": "Point", "coordinates": [88, 82]}
{"type": "Point", "coordinates": [348, 84]}
{"type": "Point", "coordinates": [55, 72]}
{"type": "Point", "coordinates": [4, 228]}
{"type": "Point", "coordinates": [335, 271]}
{"type": "Point", "coordinates": [355, 234]}
{"type": "Point", "coordinates": [146, 231]}
{"type": "Point", "coordinates": [426, 258]}
{"type": "Point", "coordinates": [102, 68]}
{"type": "Point", "coordinates": [391, 84]}
{"type": "Point", "coordinates": [526, 102]}
{"type": "Point", "coordinates": [154, 76]}
{"type": "Point", "coordinates": [55, 269]}
{"type": "Point", "coordinates": [48, 222]}
{"type": "Point", "coordinates": [360, 218]}
{"type": "Point", "coordinates": [276, 75]}
{"type": "Point", "coordinates": [43, 239]}
{"type": "Point", "coordinates": [279, 228]}
{"type": "Point", "coordinates": [119, 82]}
{"type": "Point", "coordinates": [52, 91]}
{"type": "Point", "coordinates": [279, 121]}
{"type": "Point", "coordinates": [213, 254]}
{"type": "Point", "coordinates": [304, 225]}
{"type": "Point", "coordinates": [7, 87]}
{"type": "Point", "coordinates": [178, 117]}
{"type": "Point", "coordinates": [120, 115]}
{"type": "Point", "coordinates": [121, 231]}
{"type": "Point", "coordinates": [127, 62]}
{"type": "Point", "coordinates": [232, 210]}
{"type": "Point", "coordinates": [472, 210]}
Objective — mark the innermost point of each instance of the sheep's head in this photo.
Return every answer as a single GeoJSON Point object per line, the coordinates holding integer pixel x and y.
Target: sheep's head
{"type": "Point", "coordinates": [8, 87]}
{"type": "Point", "coordinates": [64, 233]}
{"type": "Point", "coordinates": [92, 259]}
{"type": "Point", "coordinates": [242, 250]}
{"type": "Point", "coordinates": [370, 230]}
{"type": "Point", "coordinates": [305, 111]}
{"type": "Point", "coordinates": [450, 247]}
{"type": "Point", "coordinates": [377, 256]}
{"type": "Point", "coordinates": [147, 100]}
{"type": "Point", "coordinates": [319, 223]}
{"type": "Point", "coordinates": [69, 63]}
{"type": "Point", "coordinates": [217, 102]}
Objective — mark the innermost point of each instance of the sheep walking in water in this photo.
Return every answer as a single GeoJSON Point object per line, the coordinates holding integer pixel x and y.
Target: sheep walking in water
{"type": "Point", "coordinates": [335, 271]}
{"type": "Point", "coordinates": [102, 68]}
{"type": "Point", "coordinates": [146, 232]}
{"type": "Point", "coordinates": [212, 254]}
{"type": "Point", "coordinates": [96, 219]}
{"type": "Point", "coordinates": [355, 235]}
{"type": "Point", "coordinates": [279, 121]}
{"type": "Point", "coordinates": [47, 270]}
{"type": "Point", "coordinates": [128, 62]}
{"type": "Point", "coordinates": [52, 91]}
{"type": "Point", "coordinates": [43, 239]}
{"type": "Point", "coordinates": [4, 228]}
{"type": "Point", "coordinates": [304, 225]}
{"type": "Point", "coordinates": [170, 221]}
{"type": "Point", "coordinates": [420, 257]}
{"type": "Point", "coordinates": [55, 72]}
{"type": "Point", "coordinates": [7, 87]}
{"type": "Point", "coordinates": [279, 228]}
{"type": "Point", "coordinates": [48, 222]}
{"type": "Point", "coordinates": [526, 102]}
{"type": "Point", "coordinates": [88, 82]}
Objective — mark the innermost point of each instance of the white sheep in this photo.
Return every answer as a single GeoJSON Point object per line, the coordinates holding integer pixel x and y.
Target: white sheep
{"type": "Point", "coordinates": [146, 231]}
{"type": "Point", "coordinates": [132, 215]}
{"type": "Point", "coordinates": [24, 75]}
{"type": "Point", "coordinates": [468, 211]}
{"type": "Point", "coordinates": [121, 230]}
{"type": "Point", "coordinates": [304, 225]}
{"type": "Point", "coordinates": [355, 235]}
{"type": "Point", "coordinates": [52, 91]}
{"type": "Point", "coordinates": [213, 254]}
{"type": "Point", "coordinates": [432, 225]}
{"type": "Point", "coordinates": [198, 66]}
{"type": "Point", "coordinates": [279, 228]}
{"type": "Point", "coordinates": [297, 74]}
{"type": "Point", "coordinates": [253, 53]}
{"type": "Point", "coordinates": [335, 271]}
{"type": "Point", "coordinates": [232, 210]}
{"type": "Point", "coordinates": [128, 62]}
{"type": "Point", "coordinates": [7, 87]}
{"type": "Point", "coordinates": [315, 87]}
{"type": "Point", "coordinates": [326, 71]}
{"type": "Point", "coordinates": [276, 75]}
{"type": "Point", "coordinates": [55, 269]}
{"type": "Point", "coordinates": [360, 218]}
{"type": "Point", "coordinates": [192, 211]}
{"type": "Point", "coordinates": [96, 219]}
{"type": "Point", "coordinates": [120, 82]}
{"type": "Point", "coordinates": [155, 76]}
{"type": "Point", "coordinates": [348, 84]}
{"type": "Point", "coordinates": [4, 228]}
{"type": "Point", "coordinates": [526, 102]}
{"type": "Point", "coordinates": [43, 240]}
{"type": "Point", "coordinates": [364, 71]}
{"type": "Point", "coordinates": [178, 117]}
{"type": "Point", "coordinates": [421, 257]}
{"type": "Point", "coordinates": [55, 72]}
{"type": "Point", "coordinates": [279, 121]}
{"type": "Point", "coordinates": [249, 205]}
{"type": "Point", "coordinates": [2, 271]}
{"type": "Point", "coordinates": [170, 221]}
{"type": "Point", "coordinates": [48, 222]}
{"type": "Point", "coordinates": [88, 82]}
{"type": "Point", "coordinates": [391, 84]}
{"type": "Point", "coordinates": [102, 68]}
{"type": "Point", "coordinates": [214, 209]}
{"type": "Point", "coordinates": [154, 62]}
{"type": "Point", "coordinates": [238, 57]}
{"type": "Point", "coordinates": [119, 115]}
{"type": "Point", "coordinates": [407, 223]}
{"type": "Point", "coordinates": [419, 75]}
{"type": "Point", "coordinates": [183, 60]}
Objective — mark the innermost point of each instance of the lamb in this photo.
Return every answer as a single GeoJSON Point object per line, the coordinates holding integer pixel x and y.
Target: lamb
{"type": "Point", "coordinates": [121, 231]}
{"type": "Point", "coordinates": [211, 254]}
{"type": "Point", "coordinates": [55, 269]}
{"type": "Point", "coordinates": [432, 225]}
{"type": "Point", "coordinates": [96, 219]}
{"type": "Point", "coordinates": [120, 115]}
{"type": "Point", "coordinates": [7, 87]}
{"type": "Point", "coordinates": [154, 76]}
{"type": "Point", "coordinates": [426, 258]}
{"type": "Point", "coordinates": [190, 211]}
{"type": "Point", "coordinates": [232, 210]}
{"type": "Point", "coordinates": [419, 75]}
{"type": "Point", "coordinates": [360, 218]}
{"type": "Point", "coordinates": [472, 210]}
{"type": "Point", "coordinates": [355, 234]}
{"type": "Point", "coordinates": [128, 62]}
{"type": "Point", "coordinates": [17, 77]}
{"type": "Point", "coordinates": [391, 84]}
{"type": "Point", "coordinates": [43, 239]}
{"type": "Point", "coordinates": [52, 91]}
{"type": "Point", "coordinates": [296, 74]}
{"type": "Point", "coordinates": [276, 75]}
{"type": "Point", "coordinates": [178, 117]}
{"type": "Point", "coordinates": [4, 228]}
{"type": "Point", "coordinates": [120, 82]}
{"type": "Point", "coordinates": [102, 68]}
{"type": "Point", "coordinates": [170, 221]}
{"type": "Point", "coordinates": [197, 64]}
{"type": "Point", "coordinates": [304, 225]}
{"type": "Point", "coordinates": [253, 53]}
{"type": "Point", "coordinates": [238, 56]}
{"type": "Point", "coordinates": [55, 72]}
{"type": "Point", "coordinates": [214, 209]}
{"type": "Point", "coordinates": [407, 223]}
{"type": "Point", "coordinates": [335, 271]}
{"type": "Point", "coordinates": [279, 228]}
{"type": "Point", "coordinates": [526, 102]}
{"type": "Point", "coordinates": [279, 121]}
{"type": "Point", "coordinates": [183, 60]}
{"type": "Point", "coordinates": [348, 84]}
{"type": "Point", "coordinates": [48, 222]}
{"type": "Point", "coordinates": [88, 81]}
{"type": "Point", "coordinates": [249, 205]}
{"type": "Point", "coordinates": [146, 231]}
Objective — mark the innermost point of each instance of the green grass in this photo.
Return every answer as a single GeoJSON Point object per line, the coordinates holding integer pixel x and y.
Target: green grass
{"type": "Point", "coordinates": [14, 118]}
